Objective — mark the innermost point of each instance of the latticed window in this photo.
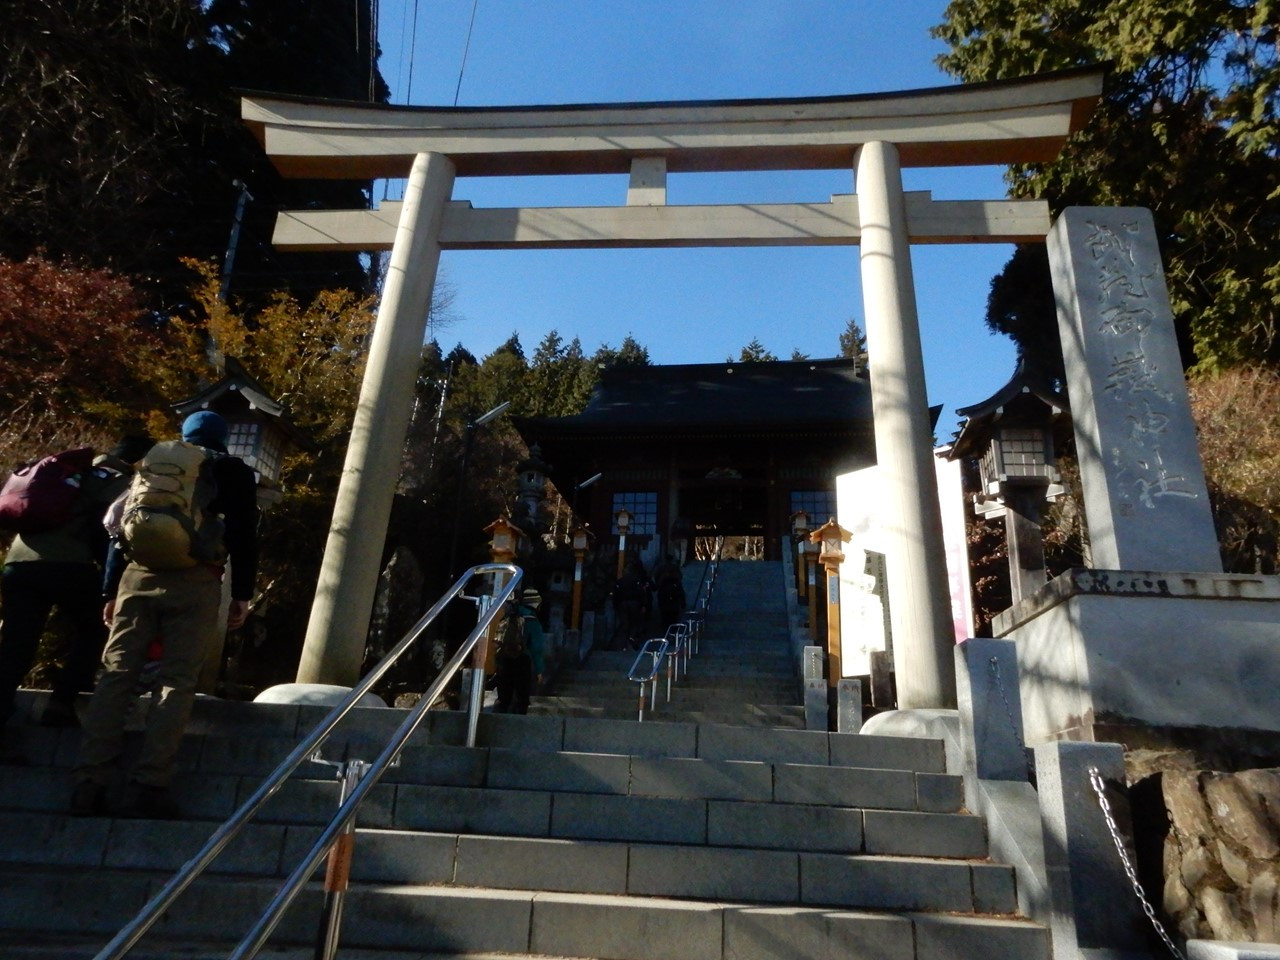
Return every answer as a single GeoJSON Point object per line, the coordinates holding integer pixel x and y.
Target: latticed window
{"type": "Point", "coordinates": [643, 507]}
{"type": "Point", "coordinates": [820, 505]}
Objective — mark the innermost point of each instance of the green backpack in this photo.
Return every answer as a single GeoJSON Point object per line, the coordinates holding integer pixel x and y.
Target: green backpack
{"type": "Point", "coordinates": [166, 522]}
{"type": "Point", "coordinates": [511, 645]}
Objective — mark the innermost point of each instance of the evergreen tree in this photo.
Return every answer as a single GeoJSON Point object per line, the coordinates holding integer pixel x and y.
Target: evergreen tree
{"type": "Point", "coordinates": [1187, 127]}
{"type": "Point", "coordinates": [753, 352]}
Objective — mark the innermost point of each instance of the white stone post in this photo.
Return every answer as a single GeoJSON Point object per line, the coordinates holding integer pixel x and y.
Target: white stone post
{"type": "Point", "coordinates": [919, 597]}
{"type": "Point", "coordinates": [1144, 491]}
{"type": "Point", "coordinates": [334, 645]}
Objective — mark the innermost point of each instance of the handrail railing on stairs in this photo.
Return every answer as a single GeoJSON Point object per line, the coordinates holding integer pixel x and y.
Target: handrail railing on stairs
{"type": "Point", "coordinates": [655, 650]}
{"type": "Point", "coordinates": [345, 816]}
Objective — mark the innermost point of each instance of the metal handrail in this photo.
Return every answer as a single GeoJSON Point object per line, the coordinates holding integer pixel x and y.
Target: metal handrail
{"type": "Point", "coordinates": [656, 651]}
{"type": "Point", "coordinates": [133, 931]}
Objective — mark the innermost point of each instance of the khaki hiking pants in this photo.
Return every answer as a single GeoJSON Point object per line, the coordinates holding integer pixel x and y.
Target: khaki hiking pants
{"type": "Point", "coordinates": [180, 609]}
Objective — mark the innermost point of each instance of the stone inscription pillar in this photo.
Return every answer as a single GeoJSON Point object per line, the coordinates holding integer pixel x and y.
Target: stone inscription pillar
{"type": "Point", "coordinates": [1144, 490]}
{"type": "Point", "coordinates": [919, 596]}
{"type": "Point", "coordinates": [334, 645]}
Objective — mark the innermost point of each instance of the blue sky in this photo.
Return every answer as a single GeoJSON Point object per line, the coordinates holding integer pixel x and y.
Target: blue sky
{"type": "Point", "coordinates": [694, 306]}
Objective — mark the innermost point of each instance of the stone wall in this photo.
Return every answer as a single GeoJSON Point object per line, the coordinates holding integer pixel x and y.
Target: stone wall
{"type": "Point", "coordinates": [1222, 854]}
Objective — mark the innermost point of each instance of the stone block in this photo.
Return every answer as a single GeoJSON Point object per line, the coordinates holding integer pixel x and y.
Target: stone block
{"type": "Point", "coordinates": [888, 752]}
{"type": "Point", "coordinates": [766, 933]}
{"type": "Point", "coordinates": [1144, 489]}
{"type": "Point", "coordinates": [845, 786]}
{"type": "Point", "coordinates": [575, 772]}
{"type": "Point", "coordinates": [391, 856]}
{"type": "Point", "coordinates": [581, 925]}
{"type": "Point", "coordinates": [765, 744]}
{"type": "Point", "coordinates": [441, 765]}
{"type": "Point", "coordinates": [815, 705]}
{"type": "Point", "coordinates": [911, 834]}
{"type": "Point", "coordinates": [70, 899]}
{"type": "Point", "coordinates": [939, 792]}
{"type": "Point", "coordinates": [849, 705]}
{"type": "Point", "coordinates": [885, 883]}
{"type": "Point", "coordinates": [630, 738]}
{"type": "Point", "coordinates": [701, 779]}
{"type": "Point", "coordinates": [54, 841]}
{"type": "Point", "coordinates": [641, 819]}
{"type": "Point", "coordinates": [784, 826]}
{"type": "Point", "coordinates": [1216, 950]}
{"type": "Point", "coordinates": [166, 845]}
{"type": "Point", "coordinates": [995, 888]}
{"type": "Point", "coordinates": [708, 873]}
{"type": "Point", "coordinates": [463, 810]}
{"type": "Point", "coordinates": [1140, 648]}
{"type": "Point", "coordinates": [990, 707]}
{"type": "Point", "coordinates": [514, 732]}
{"type": "Point", "coordinates": [574, 866]}
{"type": "Point", "coordinates": [436, 919]}
{"type": "Point", "coordinates": [1093, 904]}
{"type": "Point", "coordinates": [945, 938]}
{"type": "Point", "coordinates": [38, 788]}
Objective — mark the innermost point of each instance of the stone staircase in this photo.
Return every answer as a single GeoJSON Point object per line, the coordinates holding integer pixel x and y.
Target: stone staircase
{"type": "Point", "coordinates": [744, 673]}
{"type": "Point", "coordinates": [554, 837]}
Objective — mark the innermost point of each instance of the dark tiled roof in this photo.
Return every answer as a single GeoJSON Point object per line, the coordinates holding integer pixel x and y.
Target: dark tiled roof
{"type": "Point", "coordinates": [719, 398]}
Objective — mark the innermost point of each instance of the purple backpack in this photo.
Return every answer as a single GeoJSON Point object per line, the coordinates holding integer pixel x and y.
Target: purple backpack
{"type": "Point", "coordinates": [40, 496]}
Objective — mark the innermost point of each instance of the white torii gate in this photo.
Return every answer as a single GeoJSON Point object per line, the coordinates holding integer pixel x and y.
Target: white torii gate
{"type": "Point", "coordinates": [873, 136]}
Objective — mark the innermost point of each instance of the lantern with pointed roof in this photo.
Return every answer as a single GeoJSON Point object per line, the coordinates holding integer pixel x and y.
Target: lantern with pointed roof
{"type": "Point", "coordinates": [259, 431]}
{"type": "Point", "coordinates": [1011, 436]}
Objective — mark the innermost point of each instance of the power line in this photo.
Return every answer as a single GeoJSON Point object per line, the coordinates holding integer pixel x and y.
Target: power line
{"type": "Point", "coordinates": [465, 50]}
{"type": "Point", "coordinates": [413, 49]}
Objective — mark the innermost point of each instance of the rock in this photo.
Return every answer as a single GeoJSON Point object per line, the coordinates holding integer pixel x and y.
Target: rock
{"type": "Point", "coordinates": [1239, 813]}
{"type": "Point", "coordinates": [1185, 803]}
{"type": "Point", "coordinates": [1266, 785]}
{"type": "Point", "coordinates": [1236, 867]}
{"type": "Point", "coordinates": [1263, 900]}
{"type": "Point", "coordinates": [1220, 913]}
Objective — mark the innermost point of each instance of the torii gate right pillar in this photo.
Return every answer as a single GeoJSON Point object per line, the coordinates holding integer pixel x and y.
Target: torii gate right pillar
{"type": "Point", "coordinates": [915, 562]}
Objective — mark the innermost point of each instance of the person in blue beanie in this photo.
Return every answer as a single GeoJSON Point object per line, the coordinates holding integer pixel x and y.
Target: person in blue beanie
{"type": "Point", "coordinates": [175, 608]}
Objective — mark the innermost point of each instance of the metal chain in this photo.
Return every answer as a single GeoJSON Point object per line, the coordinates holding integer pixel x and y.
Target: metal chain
{"type": "Point", "coordinates": [994, 665]}
{"type": "Point", "coordinates": [1095, 778]}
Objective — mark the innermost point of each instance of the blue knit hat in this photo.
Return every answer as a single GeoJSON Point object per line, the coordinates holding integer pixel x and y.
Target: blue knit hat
{"type": "Point", "coordinates": [206, 429]}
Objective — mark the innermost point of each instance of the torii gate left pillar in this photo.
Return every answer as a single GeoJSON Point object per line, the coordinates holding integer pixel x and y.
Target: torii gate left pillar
{"type": "Point", "coordinates": [334, 646]}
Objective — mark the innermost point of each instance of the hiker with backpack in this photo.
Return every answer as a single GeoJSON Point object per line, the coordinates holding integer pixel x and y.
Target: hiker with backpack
{"type": "Point", "coordinates": [55, 507]}
{"type": "Point", "coordinates": [520, 654]}
{"type": "Point", "coordinates": [189, 508]}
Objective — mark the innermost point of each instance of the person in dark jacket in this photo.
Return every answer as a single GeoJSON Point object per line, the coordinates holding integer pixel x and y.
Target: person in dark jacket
{"type": "Point", "coordinates": [520, 675]}
{"type": "Point", "coordinates": [61, 568]}
{"type": "Point", "coordinates": [178, 609]}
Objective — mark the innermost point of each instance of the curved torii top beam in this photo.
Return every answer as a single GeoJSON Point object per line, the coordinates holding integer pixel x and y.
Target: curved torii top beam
{"type": "Point", "coordinates": [1002, 122]}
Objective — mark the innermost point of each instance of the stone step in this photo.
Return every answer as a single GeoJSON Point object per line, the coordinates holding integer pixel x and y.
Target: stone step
{"type": "Point", "coordinates": [757, 716]}
{"type": "Point", "coordinates": [54, 838]}
{"type": "Point", "coordinates": [227, 736]}
{"type": "Point", "coordinates": [71, 947]}
{"type": "Point", "coordinates": [548, 923]}
{"type": "Point", "coordinates": [724, 692]}
{"type": "Point", "coordinates": [756, 875]}
{"type": "Point", "coordinates": [539, 794]}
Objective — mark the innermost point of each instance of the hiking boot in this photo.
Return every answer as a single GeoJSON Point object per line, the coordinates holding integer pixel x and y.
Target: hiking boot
{"type": "Point", "coordinates": [59, 714]}
{"type": "Point", "coordinates": [88, 799]}
{"type": "Point", "coordinates": [148, 802]}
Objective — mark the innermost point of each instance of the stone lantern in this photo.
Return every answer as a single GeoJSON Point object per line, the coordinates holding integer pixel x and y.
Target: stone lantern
{"type": "Point", "coordinates": [1011, 436]}
{"type": "Point", "coordinates": [532, 486]}
{"type": "Point", "coordinates": [259, 432]}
